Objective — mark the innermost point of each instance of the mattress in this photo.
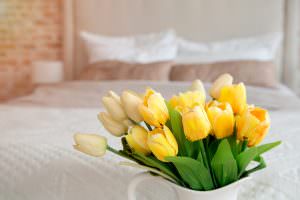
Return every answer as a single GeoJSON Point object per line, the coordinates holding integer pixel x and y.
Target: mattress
{"type": "Point", "coordinates": [37, 160]}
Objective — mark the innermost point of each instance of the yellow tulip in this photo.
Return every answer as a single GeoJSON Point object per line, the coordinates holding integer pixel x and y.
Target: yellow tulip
{"type": "Point", "coordinates": [196, 124]}
{"type": "Point", "coordinates": [188, 100]}
{"type": "Point", "coordinates": [113, 105]}
{"type": "Point", "coordinates": [162, 143]}
{"type": "Point", "coordinates": [91, 144]}
{"type": "Point", "coordinates": [221, 118]}
{"type": "Point", "coordinates": [253, 125]}
{"type": "Point", "coordinates": [219, 83]}
{"type": "Point", "coordinates": [154, 109]}
{"type": "Point", "coordinates": [117, 128]}
{"type": "Point", "coordinates": [137, 139]}
{"type": "Point", "coordinates": [236, 96]}
{"type": "Point", "coordinates": [131, 101]}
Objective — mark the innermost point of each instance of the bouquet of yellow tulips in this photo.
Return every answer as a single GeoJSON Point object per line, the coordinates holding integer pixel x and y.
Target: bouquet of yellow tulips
{"type": "Point", "coordinates": [196, 144]}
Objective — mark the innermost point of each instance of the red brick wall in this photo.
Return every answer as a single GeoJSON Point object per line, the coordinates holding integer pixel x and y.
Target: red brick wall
{"type": "Point", "coordinates": [29, 30]}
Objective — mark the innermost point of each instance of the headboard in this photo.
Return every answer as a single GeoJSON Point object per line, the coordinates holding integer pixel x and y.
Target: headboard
{"type": "Point", "coordinates": [198, 20]}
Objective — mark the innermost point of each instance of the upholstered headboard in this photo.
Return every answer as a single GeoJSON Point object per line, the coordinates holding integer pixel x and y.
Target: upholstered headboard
{"type": "Point", "coordinates": [198, 20]}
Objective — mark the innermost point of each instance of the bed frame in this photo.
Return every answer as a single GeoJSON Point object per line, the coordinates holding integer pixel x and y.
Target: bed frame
{"type": "Point", "coordinates": [198, 20]}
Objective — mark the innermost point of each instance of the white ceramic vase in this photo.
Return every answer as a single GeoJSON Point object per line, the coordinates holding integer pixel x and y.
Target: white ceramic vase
{"type": "Point", "coordinates": [228, 192]}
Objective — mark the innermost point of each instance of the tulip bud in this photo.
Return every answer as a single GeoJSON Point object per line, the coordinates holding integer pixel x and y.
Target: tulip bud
{"type": "Point", "coordinates": [253, 125]}
{"type": "Point", "coordinates": [196, 125]}
{"type": "Point", "coordinates": [113, 105]}
{"type": "Point", "coordinates": [131, 101]}
{"type": "Point", "coordinates": [235, 95]}
{"type": "Point", "coordinates": [188, 100]}
{"type": "Point", "coordinates": [137, 139]}
{"type": "Point", "coordinates": [197, 85]}
{"type": "Point", "coordinates": [220, 82]}
{"type": "Point", "coordinates": [127, 122]}
{"type": "Point", "coordinates": [162, 143]}
{"type": "Point", "coordinates": [154, 109]}
{"type": "Point", "coordinates": [91, 144]}
{"type": "Point", "coordinates": [114, 127]}
{"type": "Point", "coordinates": [221, 118]}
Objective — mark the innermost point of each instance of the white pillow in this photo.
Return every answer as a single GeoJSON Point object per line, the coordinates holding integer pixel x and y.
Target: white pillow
{"type": "Point", "coordinates": [146, 48]}
{"type": "Point", "coordinates": [261, 48]}
{"type": "Point", "coordinates": [156, 47]}
{"type": "Point", "coordinates": [108, 48]}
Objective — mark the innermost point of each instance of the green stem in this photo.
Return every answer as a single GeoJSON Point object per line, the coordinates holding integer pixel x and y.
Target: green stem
{"type": "Point", "coordinates": [148, 126]}
{"type": "Point", "coordinates": [120, 153]}
{"type": "Point", "coordinates": [141, 159]}
{"type": "Point", "coordinates": [203, 152]}
{"type": "Point", "coordinates": [109, 148]}
{"type": "Point", "coordinates": [244, 145]}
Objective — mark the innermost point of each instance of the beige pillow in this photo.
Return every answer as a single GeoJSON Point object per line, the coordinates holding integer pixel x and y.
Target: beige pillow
{"type": "Point", "coordinates": [116, 70]}
{"type": "Point", "coordinates": [259, 73]}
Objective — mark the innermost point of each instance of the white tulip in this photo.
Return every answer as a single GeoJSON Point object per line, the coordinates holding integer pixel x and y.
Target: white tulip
{"type": "Point", "coordinates": [91, 144]}
{"type": "Point", "coordinates": [220, 82]}
{"type": "Point", "coordinates": [113, 105]}
{"type": "Point", "coordinates": [197, 85]}
{"type": "Point", "coordinates": [116, 128]}
{"type": "Point", "coordinates": [131, 101]}
{"type": "Point", "coordinates": [127, 122]}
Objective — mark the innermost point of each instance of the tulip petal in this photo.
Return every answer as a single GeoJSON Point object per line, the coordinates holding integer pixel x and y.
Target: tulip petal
{"type": "Point", "coordinates": [221, 118]}
{"type": "Point", "coordinates": [253, 125]}
{"type": "Point", "coordinates": [131, 101]}
{"type": "Point", "coordinates": [91, 144]}
{"type": "Point", "coordinates": [197, 85]}
{"type": "Point", "coordinates": [160, 147]}
{"type": "Point", "coordinates": [220, 82]}
{"type": "Point", "coordinates": [148, 116]}
{"type": "Point", "coordinates": [114, 108]}
{"type": "Point", "coordinates": [196, 124]}
{"type": "Point", "coordinates": [157, 105]}
{"type": "Point", "coordinates": [114, 127]}
{"type": "Point", "coordinates": [137, 139]}
{"type": "Point", "coordinates": [162, 143]}
{"type": "Point", "coordinates": [170, 138]}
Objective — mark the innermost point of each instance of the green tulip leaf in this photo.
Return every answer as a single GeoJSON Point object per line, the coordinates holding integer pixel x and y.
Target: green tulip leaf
{"type": "Point", "coordinates": [224, 165]}
{"type": "Point", "coordinates": [266, 147]}
{"type": "Point", "coordinates": [194, 173]}
{"type": "Point", "coordinates": [212, 148]}
{"type": "Point", "coordinates": [244, 158]}
{"type": "Point", "coordinates": [235, 147]}
{"type": "Point", "coordinates": [253, 153]}
{"type": "Point", "coordinates": [260, 166]}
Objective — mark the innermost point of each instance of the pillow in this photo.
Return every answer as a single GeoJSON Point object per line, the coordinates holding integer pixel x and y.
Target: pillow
{"type": "Point", "coordinates": [259, 73]}
{"type": "Point", "coordinates": [147, 48]}
{"type": "Point", "coordinates": [107, 48]}
{"type": "Point", "coordinates": [261, 48]}
{"type": "Point", "coordinates": [117, 70]}
{"type": "Point", "coordinates": [156, 47]}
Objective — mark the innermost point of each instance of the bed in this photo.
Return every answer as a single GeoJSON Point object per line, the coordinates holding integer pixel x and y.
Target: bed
{"type": "Point", "coordinates": [37, 160]}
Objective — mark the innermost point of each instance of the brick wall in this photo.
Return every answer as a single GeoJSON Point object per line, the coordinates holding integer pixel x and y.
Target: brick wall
{"type": "Point", "coordinates": [29, 30]}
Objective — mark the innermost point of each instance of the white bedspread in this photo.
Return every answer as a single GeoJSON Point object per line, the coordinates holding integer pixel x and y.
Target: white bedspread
{"type": "Point", "coordinates": [37, 160]}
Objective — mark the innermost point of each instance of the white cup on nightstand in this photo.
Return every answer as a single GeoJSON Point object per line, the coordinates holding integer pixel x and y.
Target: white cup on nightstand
{"type": "Point", "coordinates": [46, 72]}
